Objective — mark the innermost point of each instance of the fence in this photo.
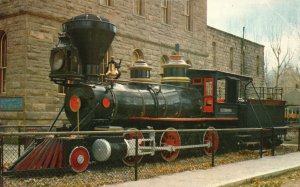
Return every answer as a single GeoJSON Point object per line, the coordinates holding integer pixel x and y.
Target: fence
{"type": "Point", "coordinates": [264, 93]}
{"type": "Point", "coordinates": [113, 171]}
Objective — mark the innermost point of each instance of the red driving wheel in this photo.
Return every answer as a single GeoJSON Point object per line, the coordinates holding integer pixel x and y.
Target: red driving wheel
{"type": "Point", "coordinates": [170, 138]}
{"type": "Point", "coordinates": [130, 160]}
{"type": "Point", "coordinates": [79, 159]}
{"type": "Point", "coordinates": [208, 138]}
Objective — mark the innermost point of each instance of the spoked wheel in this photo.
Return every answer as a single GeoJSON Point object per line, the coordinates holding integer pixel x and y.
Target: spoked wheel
{"type": "Point", "coordinates": [170, 138]}
{"type": "Point", "coordinates": [208, 139]}
{"type": "Point", "coordinates": [130, 160]}
{"type": "Point", "coordinates": [79, 159]}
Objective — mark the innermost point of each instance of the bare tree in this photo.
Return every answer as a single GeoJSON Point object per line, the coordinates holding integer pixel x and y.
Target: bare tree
{"type": "Point", "coordinates": [267, 73]}
{"type": "Point", "coordinates": [283, 56]}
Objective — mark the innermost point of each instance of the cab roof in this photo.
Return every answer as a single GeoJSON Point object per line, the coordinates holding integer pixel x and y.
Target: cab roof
{"type": "Point", "coordinates": [196, 73]}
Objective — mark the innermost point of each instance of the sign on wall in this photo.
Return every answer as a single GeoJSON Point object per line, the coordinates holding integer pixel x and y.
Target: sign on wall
{"type": "Point", "coordinates": [11, 104]}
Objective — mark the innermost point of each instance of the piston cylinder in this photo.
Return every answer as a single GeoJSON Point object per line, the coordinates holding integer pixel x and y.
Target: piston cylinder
{"type": "Point", "coordinates": [103, 150]}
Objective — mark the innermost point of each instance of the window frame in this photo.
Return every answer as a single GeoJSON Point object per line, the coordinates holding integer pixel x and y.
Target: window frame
{"type": "Point", "coordinates": [3, 61]}
{"type": "Point", "coordinates": [166, 11]}
{"type": "Point", "coordinates": [257, 65]}
{"type": "Point", "coordinates": [61, 89]}
{"type": "Point", "coordinates": [214, 55]}
{"type": "Point", "coordinates": [106, 2]}
{"type": "Point", "coordinates": [136, 55]}
{"type": "Point", "coordinates": [139, 7]}
{"type": "Point", "coordinates": [107, 57]}
{"type": "Point", "coordinates": [231, 51]}
{"type": "Point", "coordinates": [188, 15]}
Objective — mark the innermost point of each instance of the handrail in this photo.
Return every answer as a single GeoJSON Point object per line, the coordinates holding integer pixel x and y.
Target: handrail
{"type": "Point", "coordinates": [267, 92]}
{"type": "Point", "coordinates": [142, 131]}
{"type": "Point", "coordinates": [22, 126]}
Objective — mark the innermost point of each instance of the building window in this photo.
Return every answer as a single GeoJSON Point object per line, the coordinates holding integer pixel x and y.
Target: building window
{"type": "Point", "coordinates": [61, 89]}
{"type": "Point", "coordinates": [189, 62]}
{"type": "Point", "coordinates": [3, 61]}
{"type": "Point", "coordinates": [257, 65]}
{"type": "Point", "coordinates": [163, 60]}
{"type": "Point", "coordinates": [104, 64]}
{"type": "Point", "coordinates": [106, 2]}
{"type": "Point", "coordinates": [166, 11]}
{"type": "Point", "coordinates": [231, 58]}
{"type": "Point", "coordinates": [187, 13]}
{"type": "Point", "coordinates": [139, 7]}
{"type": "Point", "coordinates": [214, 53]}
{"type": "Point", "coordinates": [136, 55]}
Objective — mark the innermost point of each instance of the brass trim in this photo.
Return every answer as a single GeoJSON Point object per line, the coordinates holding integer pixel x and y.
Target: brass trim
{"type": "Point", "coordinates": [140, 80]}
{"type": "Point", "coordinates": [175, 79]}
{"type": "Point", "coordinates": [176, 65]}
{"type": "Point", "coordinates": [137, 67]}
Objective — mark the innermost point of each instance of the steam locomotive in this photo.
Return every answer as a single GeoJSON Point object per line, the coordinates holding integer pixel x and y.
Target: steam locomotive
{"type": "Point", "coordinates": [186, 98]}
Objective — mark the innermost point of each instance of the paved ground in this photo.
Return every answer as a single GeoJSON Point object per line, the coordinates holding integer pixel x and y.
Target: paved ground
{"type": "Point", "coordinates": [225, 175]}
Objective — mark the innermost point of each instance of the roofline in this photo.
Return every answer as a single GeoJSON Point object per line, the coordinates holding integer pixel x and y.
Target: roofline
{"type": "Point", "coordinates": [210, 27]}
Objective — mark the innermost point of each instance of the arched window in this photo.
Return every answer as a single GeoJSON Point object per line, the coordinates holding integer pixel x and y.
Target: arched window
{"type": "Point", "coordinates": [137, 54]}
{"type": "Point", "coordinates": [104, 64]}
{"type": "Point", "coordinates": [231, 58]}
{"type": "Point", "coordinates": [163, 60]}
{"type": "Point", "coordinates": [139, 7]}
{"type": "Point", "coordinates": [3, 61]}
{"type": "Point", "coordinates": [257, 65]}
{"type": "Point", "coordinates": [189, 62]}
{"type": "Point", "coordinates": [214, 53]}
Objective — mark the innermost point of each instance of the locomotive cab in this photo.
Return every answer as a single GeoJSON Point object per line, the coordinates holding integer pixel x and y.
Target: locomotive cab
{"type": "Point", "coordinates": [221, 91]}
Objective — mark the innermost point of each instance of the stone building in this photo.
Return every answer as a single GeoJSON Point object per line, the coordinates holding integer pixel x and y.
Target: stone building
{"type": "Point", "coordinates": [145, 29]}
{"type": "Point", "coordinates": [226, 53]}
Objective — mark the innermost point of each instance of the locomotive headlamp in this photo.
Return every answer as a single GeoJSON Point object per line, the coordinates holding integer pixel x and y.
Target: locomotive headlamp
{"type": "Point", "coordinates": [75, 103]}
{"type": "Point", "coordinates": [57, 60]}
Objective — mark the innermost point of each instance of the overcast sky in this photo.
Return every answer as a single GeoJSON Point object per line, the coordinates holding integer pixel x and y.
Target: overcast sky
{"type": "Point", "coordinates": [259, 17]}
{"type": "Point", "coordinates": [255, 15]}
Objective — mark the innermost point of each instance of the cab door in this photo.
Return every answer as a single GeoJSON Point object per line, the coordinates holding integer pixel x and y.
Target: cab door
{"type": "Point", "coordinates": [208, 95]}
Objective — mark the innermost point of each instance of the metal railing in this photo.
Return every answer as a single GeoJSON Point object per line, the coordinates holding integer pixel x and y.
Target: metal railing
{"type": "Point", "coordinates": [21, 128]}
{"type": "Point", "coordinates": [10, 152]}
{"type": "Point", "coordinates": [272, 93]}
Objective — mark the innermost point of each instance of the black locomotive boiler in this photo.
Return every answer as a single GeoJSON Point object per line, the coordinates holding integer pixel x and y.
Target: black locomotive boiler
{"type": "Point", "coordinates": [185, 98]}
